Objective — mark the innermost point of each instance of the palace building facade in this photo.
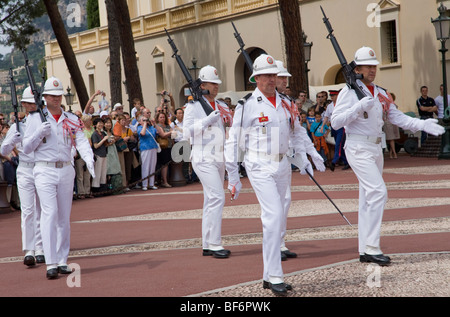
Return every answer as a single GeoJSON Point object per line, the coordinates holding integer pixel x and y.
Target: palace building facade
{"type": "Point", "coordinates": [400, 32]}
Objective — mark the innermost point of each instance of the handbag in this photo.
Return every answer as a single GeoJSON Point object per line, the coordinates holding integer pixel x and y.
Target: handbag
{"type": "Point", "coordinates": [163, 142]}
{"type": "Point", "coordinates": [158, 149]}
{"type": "Point", "coordinates": [131, 144]}
{"type": "Point", "coordinates": [121, 145]}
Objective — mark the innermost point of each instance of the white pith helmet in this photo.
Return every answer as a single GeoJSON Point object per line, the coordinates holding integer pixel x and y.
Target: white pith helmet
{"type": "Point", "coordinates": [208, 74]}
{"type": "Point", "coordinates": [53, 86]}
{"type": "Point", "coordinates": [264, 64]}
{"type": "Point", "coordinates": [27, 95]}
{"type": "Point", "coordinates": [366, 56]}
{"type": "Point", "coordinates": [283, 70]}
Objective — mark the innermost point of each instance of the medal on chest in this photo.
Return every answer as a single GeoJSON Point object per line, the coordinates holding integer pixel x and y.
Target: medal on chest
{"type": "Point", "coordinates": [263, 119]}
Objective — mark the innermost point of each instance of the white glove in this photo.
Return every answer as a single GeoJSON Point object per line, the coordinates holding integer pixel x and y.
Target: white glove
{"type": "Point", "coordinates": [318, 162]}
{"type": "Point", "coordinates": [235, 190]}
{"type": "Point", "coordinates": [90, 167]}
{"type": "Point", "coordinates": [17, 138]}
{"type": "Point", "coordinates": [306, 165]}
{"type": "Point", "coordinates": [45, 129]}
{"type": "Point", "coordinates": [211, 118]}
{"type": "Point", "coordinates": [366, 103]}
{"type": "Point", "coordinates": [431, 126]}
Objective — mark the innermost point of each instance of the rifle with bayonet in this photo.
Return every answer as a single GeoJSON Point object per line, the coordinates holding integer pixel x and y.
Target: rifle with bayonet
{"type": "Point", "coordinates": [37, 94]}
{"type": "Point", "coordinates": [14, 103]}
{"type": "Point", "coordinates": [194, 86]}
{"type": "Point", "coordinates": [348, 69]}
{"type": "Point", "coordinates": [241, 49]}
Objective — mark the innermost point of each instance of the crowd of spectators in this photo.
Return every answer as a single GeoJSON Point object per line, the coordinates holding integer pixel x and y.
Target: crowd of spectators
{"type": "Point", "coordinates": [126, 145]}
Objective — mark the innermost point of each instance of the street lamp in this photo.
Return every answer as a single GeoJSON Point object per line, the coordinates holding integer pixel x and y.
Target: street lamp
{"type": "Point", "coordinates": [307, 52]}
{"type": "Point", "coordinates": [442, 27]}
{"type": "Point", "coordinates": [194, 67]}
{"type": "Point", "coordinates": [69, 99]}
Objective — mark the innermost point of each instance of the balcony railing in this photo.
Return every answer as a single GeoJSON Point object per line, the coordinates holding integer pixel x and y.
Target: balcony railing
{"type": "Point", "coordinates": [176, 17]}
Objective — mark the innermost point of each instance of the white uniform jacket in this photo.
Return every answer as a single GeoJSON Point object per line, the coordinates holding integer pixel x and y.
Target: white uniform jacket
{"type": "Point", "coordinates": [8, 143]}
{"type": "Point", "coordinates": [58, 144]}
{"type": "Point", "coordinates": [347, 114]}
{"type": "Point", "coordinates": [264, 132]}
{"type": "Point", "coordinates": [207, 141]}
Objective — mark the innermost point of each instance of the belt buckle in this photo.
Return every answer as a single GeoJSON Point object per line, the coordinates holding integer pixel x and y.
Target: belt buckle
{"type": "Point", "coordinates": [378, 141]}
{"type": "Point", "coordinates": [59, 164]}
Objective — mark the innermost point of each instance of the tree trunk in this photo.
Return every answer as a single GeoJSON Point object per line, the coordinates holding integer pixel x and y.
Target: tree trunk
{"type": "Point", "coordinates": [133, 82]}
{"type": "Point", "coordinates": [67, 51]}
{"type": "Point", "coordinates": [292, 27]}
{"type": "Point", "coordinates": [115, 71]}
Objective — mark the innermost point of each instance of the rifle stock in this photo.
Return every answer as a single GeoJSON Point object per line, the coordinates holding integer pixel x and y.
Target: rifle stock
{"type": "Point", "coordinates": [348, 69]}
{"type": "Point", "coordinates": [14, 99]}
{"type": "Point", "coordinates": [195, 86]}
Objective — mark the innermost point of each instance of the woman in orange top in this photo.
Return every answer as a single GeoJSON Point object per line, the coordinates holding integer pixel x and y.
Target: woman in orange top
{"type": "Point", "coordinates": [125, 157]}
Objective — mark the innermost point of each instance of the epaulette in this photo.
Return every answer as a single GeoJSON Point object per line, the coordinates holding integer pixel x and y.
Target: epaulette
{"type": "Point", "coordinates": [244, 99]}
{"type": "Point", "coordinates": [222, 103]}
{"type": "Point", "coordinates": [285, 96]}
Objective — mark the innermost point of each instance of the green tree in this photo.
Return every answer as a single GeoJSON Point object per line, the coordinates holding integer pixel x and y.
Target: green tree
{"type": "Point", "coordinates": [93, 16]}
{"type": "Point", "coordinates": [16, 24]}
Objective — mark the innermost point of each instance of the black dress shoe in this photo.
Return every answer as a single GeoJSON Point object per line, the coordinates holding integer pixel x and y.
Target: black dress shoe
{"type": "Point", "coordinates": [29, 260]}
{"type": "Point", "coordinates": [379, 259]}
{"type": "Point", "coordinates": [283, 256]}
{"type": "Point", "coordinates": [220, 254]}
{"type": "Point", "coordinates": [346, 167]}
{"type": "Point", "coordinates": [266, 285]}
{"type": "Point", "coordinates": [40, 259]}
{"type": "Point", "coordinates": [289, 254]}
{"type": "Point", "coordinates": [279, 289]}
{"type": "Point", "coordinates": [332, 166]}
{"type": "Point", "coordinates": [64, 269]}
{"type": "Point", "coordinates": [52, 273]}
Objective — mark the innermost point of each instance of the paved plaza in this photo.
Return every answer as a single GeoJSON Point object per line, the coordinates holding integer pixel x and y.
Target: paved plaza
{"type": "Point", "coordinates": [148, 243]}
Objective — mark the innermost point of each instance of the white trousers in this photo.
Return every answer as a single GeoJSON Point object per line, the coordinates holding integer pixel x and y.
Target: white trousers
{"type": "Point", "coordinates": [148, 165]}
{"type": "Point", "coordinates": [270, 183]}
{"type": "Point", "coordinates": [287, 205]}
{"type": "Point", "coordinates": [366, 160]}
{"type": "Point", "coordinates": [211, 175]}
{"type": "Point", "coordinates": [55, 189]}
{"type": "Point", "coordinates": [30, 210]}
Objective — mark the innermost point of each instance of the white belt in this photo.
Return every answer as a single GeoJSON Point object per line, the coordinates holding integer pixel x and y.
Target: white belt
{"type": "Point", "coordinates": [265, 156]}
{"type": "Point", "coordinates": [25, 164]}
{"type": "Point", "coordinates": [52, 164]}
{"type": "Point", "coordinates": [364, 138]}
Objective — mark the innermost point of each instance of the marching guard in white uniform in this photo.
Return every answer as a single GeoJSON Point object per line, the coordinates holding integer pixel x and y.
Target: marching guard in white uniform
{"type": "Point", "coordinates": [262, 128]}
{"type": "Point", "coordinates": [52, 141]}
{"type": "Point", "coordinates": [363, 121]}
{"type": "Point", "coordinates": [29, 200]}
{"type": "Point", "coordinates": [207, 137]}
{"type": "Point", "coordinates": [298, 159]}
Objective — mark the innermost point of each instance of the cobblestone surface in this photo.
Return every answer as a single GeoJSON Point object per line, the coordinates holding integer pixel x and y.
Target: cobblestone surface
{"type": "Point", "coordinates": [410, 275]}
